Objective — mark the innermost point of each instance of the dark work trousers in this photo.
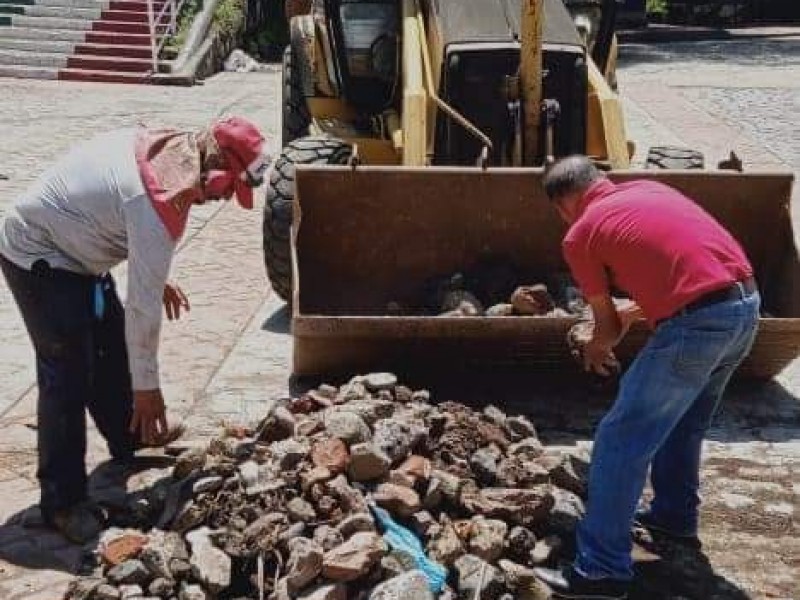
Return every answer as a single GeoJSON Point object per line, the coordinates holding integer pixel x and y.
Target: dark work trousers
{"type": "Point", "coordinates": [81, 363]}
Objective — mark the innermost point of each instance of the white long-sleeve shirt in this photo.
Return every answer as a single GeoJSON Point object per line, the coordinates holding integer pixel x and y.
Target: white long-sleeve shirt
{"type": "Point", "coordinates": [88, 213]}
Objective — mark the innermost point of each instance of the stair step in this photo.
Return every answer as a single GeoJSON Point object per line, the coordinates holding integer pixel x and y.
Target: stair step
{"type": "Point", "coordinates": [129, 16]}
{"type": "Point", "coordinates": [102, 76]}
{"type": "Point", "coordinates": [57, 46]}
{"type": "Point", "coordinates": [65, 3]}
{"type": "Point", "coordinates": [113, 50]}
{"type": "Point", "coordinates": [132, 5]}
{"type": "Point", "coordinates": [121, 27]}
{"type": "Point", "coordinates": [110, 37]}
{"type": "Point", "coordinates": [27, 72]}
{"type": "Point", "coordinates": [51, 23]}
{"type": "Point", "coordinates": [67, 12]}
{"type": "Point", "coordinates": [33, 59]}
{"type": "Point", "coordinates": [109, 63]}
{"type": "Point", "coordinates": [34, 33]}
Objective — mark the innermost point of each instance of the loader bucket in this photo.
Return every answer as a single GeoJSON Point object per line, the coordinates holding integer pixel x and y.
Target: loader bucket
{"type": "Point", "coordinates": [367, 237]}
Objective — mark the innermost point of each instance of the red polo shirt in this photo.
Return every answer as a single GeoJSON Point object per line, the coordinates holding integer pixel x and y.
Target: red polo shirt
{"type": "Point", "coordinates": [653, 242]}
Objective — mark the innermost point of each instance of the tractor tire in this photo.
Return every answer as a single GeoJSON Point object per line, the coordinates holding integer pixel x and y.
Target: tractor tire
{"type": "Point", "coordinates": [296, 118]}
{"type": "Point", "coordinates": [311, 150]}
{"type": "Point", "coordinates": [672, 157]}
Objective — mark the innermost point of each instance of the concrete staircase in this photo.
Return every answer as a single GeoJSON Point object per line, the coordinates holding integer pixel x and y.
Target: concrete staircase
{"type": "Point", "coordinates": [83, 40]}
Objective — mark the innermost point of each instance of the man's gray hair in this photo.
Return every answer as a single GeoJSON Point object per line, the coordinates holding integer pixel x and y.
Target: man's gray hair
{"type": "Point", "coordinates": [569, 175]}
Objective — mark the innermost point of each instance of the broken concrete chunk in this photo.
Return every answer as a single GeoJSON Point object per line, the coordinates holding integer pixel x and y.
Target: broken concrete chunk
{"type": "Point", "coordinates": [520, 543]}
{"type": "Point", "coordinates": [523, 582]}
{"type": "Point", "coordinates": [446, 547]}
{"type": "Point", "coordinates": [279, 425]}
{"type": "Point", "coordinates": [131, 572]}
{"type": "Point", "coordinates": [354, 558]}
{"type": "Point", "coordinates": [161, 587]}
{"type": "Point", "coordinates": [304, 565]}
{"type": "Point", "coordinates": [532, 300]}
{"type": "Point", "coordinates": [368, 462]}
{"type": "Point", "coordinates": [572, 474]}
{"type": "Point", "coordinates": [519, 428]}
{"type": "Point", "coordinates": [289, 453]}
{"type": "Point", "coordinates": [394, 438]}
{"type": "Point", "coordinates": [348, 427]}
{"type": "Point", "coordinates": [484, 464]}
{"type": "Point", "coordinates": [189, 462]}
{"type": "Point", "coordinates": [192, 592]}
{"type": "Point", "coordinates": [518, 506]}
{"type": "Point", "coordinates": [487, 538]}
{"type": "Point", "coordinates": [526, 449]}
{"type": "Point", "coordinates": [299, 510]}
{"type": "Point", "coordinates": [328, 537]}
{"type": "Point", "coordinates": [376, 382]}
{"type": "Point", "coordinates": [160, 552]}
{"type": "Point", "coordinates": [352, 500]}
{"type": "Point", "coordinates": [468, 570]}
{"type": "Point", "coordinates": [355, 523]}
{"type": "Point", "coordinates": [131, 592]}
{"type": "Point", "coordinates": [400, 501]}
{"type": "Point", "coordinates": [412, 585]}
{"type": "Point", "coordinates": [210, 565]}
{"type": "Point", "coordinates": [105, 592]}
{"type": "Point", "coordinates": [330, 454]}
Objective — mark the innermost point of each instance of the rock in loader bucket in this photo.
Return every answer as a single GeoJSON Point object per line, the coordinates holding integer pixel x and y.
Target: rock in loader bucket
{"type": "Point", "coordinates": [363, 238]}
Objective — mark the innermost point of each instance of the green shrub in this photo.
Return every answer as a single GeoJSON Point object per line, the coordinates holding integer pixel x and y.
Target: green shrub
{"type": "Point", "coordinates": [186, 16]}
{"type": "Point", "coordinates": [657, 7]}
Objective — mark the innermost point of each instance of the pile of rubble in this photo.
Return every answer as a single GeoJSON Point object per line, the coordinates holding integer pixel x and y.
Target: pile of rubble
{"type": "Point", "coordinates": [287, 510]}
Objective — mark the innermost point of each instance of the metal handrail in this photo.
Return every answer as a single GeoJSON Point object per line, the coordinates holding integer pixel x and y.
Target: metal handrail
{"type": "Point", "coordinates": [159, 31]}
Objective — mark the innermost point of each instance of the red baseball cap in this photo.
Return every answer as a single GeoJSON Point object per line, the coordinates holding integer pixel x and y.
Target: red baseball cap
{"type": "Point", "coordinates": [243, 147]}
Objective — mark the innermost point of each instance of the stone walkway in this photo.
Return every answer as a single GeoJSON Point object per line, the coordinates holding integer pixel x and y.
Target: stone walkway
{"type": "Point", "coordinates": [231, 355]}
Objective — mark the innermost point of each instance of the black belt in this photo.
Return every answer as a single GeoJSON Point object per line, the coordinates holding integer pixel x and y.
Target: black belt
{"type": "Point", "coordinates": [737, 291]}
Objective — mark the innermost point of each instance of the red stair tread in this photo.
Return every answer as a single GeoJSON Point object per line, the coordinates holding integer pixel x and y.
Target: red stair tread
{"type": "Point", "coordinates": [120, 27]}
{"type": "Point", "coordinates": [109, 63]}
{"type": "Point", "coordinates": [111, 37]}
{"type": "Point", "coordinates": [121, 50]}
{"type": "Point", "coordinates": [69, 74]}
{"type": "Point", "coordinates": [127, 16]}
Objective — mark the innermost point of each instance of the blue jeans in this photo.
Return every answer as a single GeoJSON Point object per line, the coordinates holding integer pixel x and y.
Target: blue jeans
{"type": "Point", "coordinates": [81, 363]}
{"type": "Point", "coordinates": [664, 407]}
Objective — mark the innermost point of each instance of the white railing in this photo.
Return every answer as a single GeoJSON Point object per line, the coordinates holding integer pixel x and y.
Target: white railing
{"type": "Point", "coordinates": [163, 24]}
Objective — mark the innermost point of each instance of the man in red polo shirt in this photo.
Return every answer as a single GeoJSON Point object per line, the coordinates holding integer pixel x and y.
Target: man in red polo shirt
{"type": "Point", "coordinates": [693, 284]}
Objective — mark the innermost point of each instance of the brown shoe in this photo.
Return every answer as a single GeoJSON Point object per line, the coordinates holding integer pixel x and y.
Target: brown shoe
{"type": "Point", "coordinates": [79, 524]}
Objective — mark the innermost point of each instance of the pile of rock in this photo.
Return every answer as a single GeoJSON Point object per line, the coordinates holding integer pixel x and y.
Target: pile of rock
{"type": "Point", "coordinates": [283, 511]}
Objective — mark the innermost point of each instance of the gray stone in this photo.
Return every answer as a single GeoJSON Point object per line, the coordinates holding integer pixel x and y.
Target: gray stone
{"type": "Point", "coordinates": [519, 428]}
{"type": "Point", "coordinates": [368, 462]}
{"type": "Point", "coordinates": [527, 449]}
{"type": "Point", "coordinates": [394, 438]}
{"type": "Point", "coordinates": [379, 381]}
{"type": "Point", "coordinates": [295, 530]}
{"type": "Point", "coordinates": [484, 464]}
{"type": "Point", "coordinates": [328, 537]}
{"type": "Point", "coordinates": [210, 565]}
{"type": "Point", "coordinates": [336, 591]}
{"type": "Point", "coordinates": [106, 592]}
{"type": "Point", "coordinates": [446, 547]}
{"type": "Point", "coordinates": [304, 564]}
{"type": "Point", "coordinates": [572, 474]}
{"type": "Point", "coordinates": [371, 410]}
{"type": "Point", "coordinates": [495, 415]}
{"type": "Point", "coordinates": [567, 511]}
{"type": "Point", "coordinates": [396, 563]}
{"type": "Point", "coordinates": [487, 538]}
{"type": "Point", "coordinates": [279, 425]}
{"type": "Point", "coordinates": [468, 571]}
{"type": "Point", "coordinates": [299, 510]}
{"type": "Point", "coordinates": [347, 426]}
{"type": "Point", "coordinates": [129, 592]}
{"type": "Point", "coordinates": [161, 587]}
{"type": "Point", "coordinates": [421, 396]}
{"type": "Point", "coordinates": [409, 586]}
{"type": "Point", "coordinates": [351, 499]}
{"type": "Point", "coordinates": [449, 484]}
{"type": "Point", "coordinates": [520, 542]}
{"type": "Point", "coordinates": [500, 310]}
{"type": "Point", "coordinates": [354, 558]}
{"type": "Point", "coordinates": [192, 592]}
{"type": "Point", "coordinates": [523, 582]}
{"type": "Point", "coordinates": [355, 523]}
{"type": "Point", "coordinates": [181, 569]}
{"type": "Point", "coordinates": [289, 453]}
{"type": "Point", "coordinates": [129, 572]}
{"type": "Point", "coordinates": [403, 394]}
{"type": "Point", "coordinates": [207, 484]}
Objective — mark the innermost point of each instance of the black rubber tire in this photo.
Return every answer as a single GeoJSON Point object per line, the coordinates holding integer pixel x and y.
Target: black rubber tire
{"type": "Point", "coordinates": [673, 157]}
{"type": "Point", "coordinates": [311, 150]}
{"type": "Point", "coordinates": [296, 118]}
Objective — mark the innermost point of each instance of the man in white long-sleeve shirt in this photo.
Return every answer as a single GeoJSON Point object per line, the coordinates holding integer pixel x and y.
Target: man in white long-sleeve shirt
{"type": "Point", "coordinates": [121, 195]}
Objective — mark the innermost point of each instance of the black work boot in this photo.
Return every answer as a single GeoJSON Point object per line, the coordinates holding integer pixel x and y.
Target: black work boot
{"type": "Point", "coordinates": [568, 583]}
{"type": "Point", "coordinates": [661, 534]}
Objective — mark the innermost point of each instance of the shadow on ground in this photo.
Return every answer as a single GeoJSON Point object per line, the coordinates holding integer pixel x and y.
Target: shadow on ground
{"type": "Point", "coordinates": [26, 542]}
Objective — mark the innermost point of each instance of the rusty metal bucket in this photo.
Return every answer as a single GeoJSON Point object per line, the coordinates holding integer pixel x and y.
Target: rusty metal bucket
{"type": "Point", "coordinates": [366, 237]}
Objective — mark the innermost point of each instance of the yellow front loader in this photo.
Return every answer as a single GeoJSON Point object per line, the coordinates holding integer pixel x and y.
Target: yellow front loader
{"type": "Point", "coordinates": [414, 136]}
